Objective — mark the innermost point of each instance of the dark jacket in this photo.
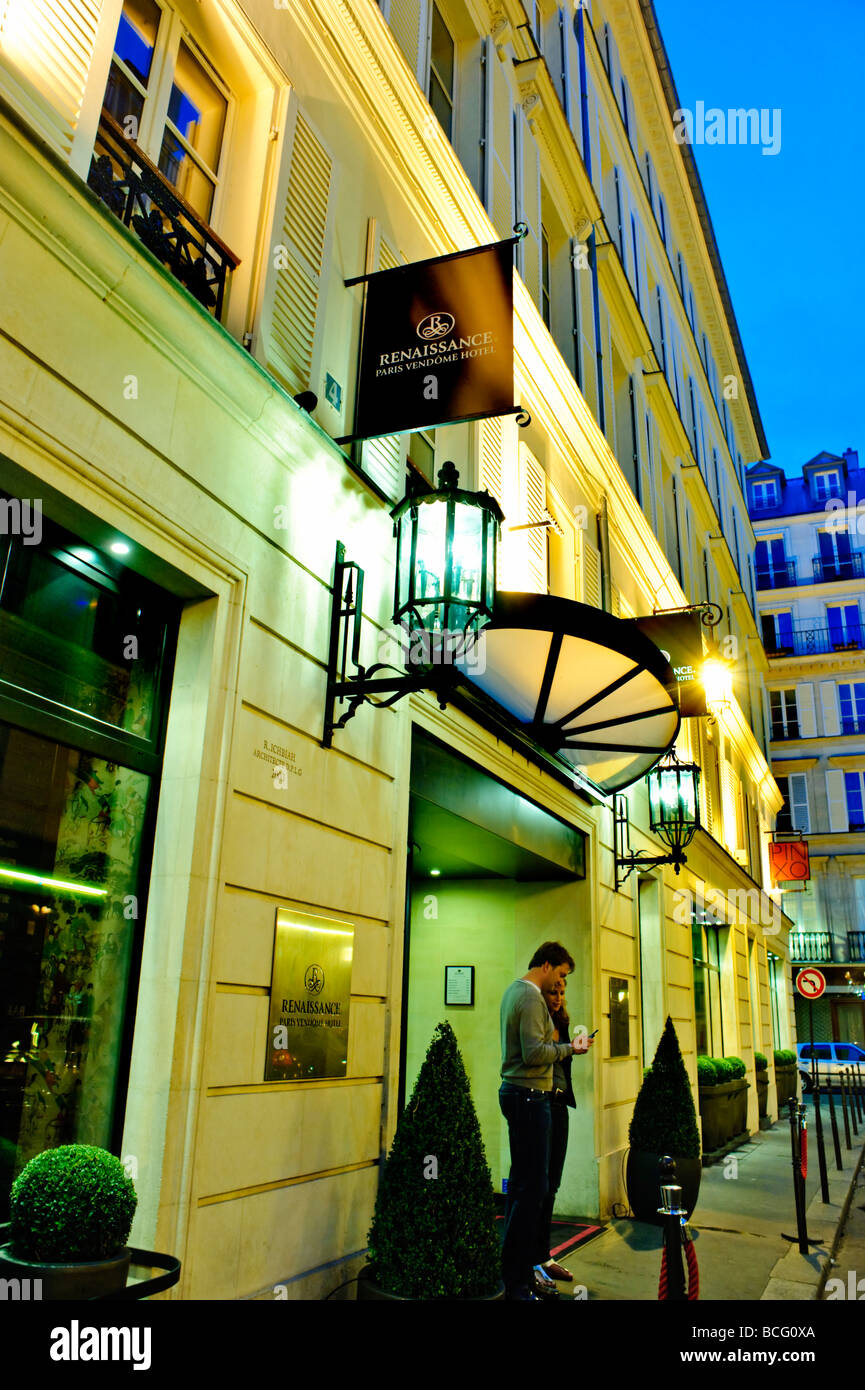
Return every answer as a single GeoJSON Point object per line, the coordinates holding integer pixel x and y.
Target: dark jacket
{"type": "Point", "coordinates": [562, 1069]}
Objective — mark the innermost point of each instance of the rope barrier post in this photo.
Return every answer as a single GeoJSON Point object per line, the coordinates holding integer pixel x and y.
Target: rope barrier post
{"type": "Point", "coordinates": [840, 1075]}
{"type": "Point", "coordinates": [834, 1122]}
{"type": "Point", "coordinates": [821, 1148]}
{"type": "Point", "coordinates": [671, 1285]}
{"type": "Point", "coordinates": [796, 1112]}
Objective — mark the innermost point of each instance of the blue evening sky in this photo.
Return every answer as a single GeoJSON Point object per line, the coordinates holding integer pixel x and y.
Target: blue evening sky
{"type": "Point", "coordinates": [789, 226]}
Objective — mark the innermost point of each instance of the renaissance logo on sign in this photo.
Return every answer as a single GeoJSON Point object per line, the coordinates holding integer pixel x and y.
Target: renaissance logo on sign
{"type": "Point", "coordinates": [437, 343]}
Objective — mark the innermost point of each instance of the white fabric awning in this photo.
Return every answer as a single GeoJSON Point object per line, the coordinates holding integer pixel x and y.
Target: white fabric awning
{"type": "Point", "coordinates": [586, 686]}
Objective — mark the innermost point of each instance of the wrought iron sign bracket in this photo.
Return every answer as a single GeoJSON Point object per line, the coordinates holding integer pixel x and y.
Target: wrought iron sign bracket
{"type": "Point", "coordinates": [710, 613]}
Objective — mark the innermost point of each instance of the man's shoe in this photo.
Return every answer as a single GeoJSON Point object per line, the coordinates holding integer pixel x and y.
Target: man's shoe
{"type": "Point", "coordinates": [544, 1286]}
{"type": "Point", "coordinates": [557, 1271]}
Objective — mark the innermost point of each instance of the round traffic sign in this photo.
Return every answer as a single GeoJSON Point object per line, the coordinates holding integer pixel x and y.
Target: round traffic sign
{"type": "Point", "coordinates": [811, 982]}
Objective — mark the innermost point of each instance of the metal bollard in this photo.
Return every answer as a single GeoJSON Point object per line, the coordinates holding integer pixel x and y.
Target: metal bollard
{"type": "Point", "coordinates": [836, 1142]}
{"type": "Point", "coordinates": [840, 1076]}
{"type": "Point", "coordinates": [797, 1113]}
{"type": "Point", "coordinates": [672, 1283]}
{"type": "Point", "coordinates": [854, 1101]}
{"type": "Point", "coordinates": [821, 1149]}
{"type": "Point", "coordinates": [855, 1091]}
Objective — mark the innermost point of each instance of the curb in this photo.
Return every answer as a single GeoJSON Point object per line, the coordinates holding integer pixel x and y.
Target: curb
{"type": "Point", "coordinates": [802, 1277]}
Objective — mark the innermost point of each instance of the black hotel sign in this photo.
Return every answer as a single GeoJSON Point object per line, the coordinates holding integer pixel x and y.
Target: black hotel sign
{"type": "Point", "coordinates": [438, 343]}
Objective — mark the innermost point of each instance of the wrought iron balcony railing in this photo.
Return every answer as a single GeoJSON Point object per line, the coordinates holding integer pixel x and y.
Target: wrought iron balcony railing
{"type": "Point", "coordinates": [139, 194]}
{"type": "Point", "coordinates": [817, 641]}
{"type": "Point", "coordinates": [841, 567]}
{"type": "Point", "coordinates": [856, 945]}
{"type": "Point", "coordinates": [781, 575]}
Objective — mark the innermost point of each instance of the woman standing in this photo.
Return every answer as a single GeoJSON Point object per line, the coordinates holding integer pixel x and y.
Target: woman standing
{"type": "Point", "coordinates": [546, 1268]}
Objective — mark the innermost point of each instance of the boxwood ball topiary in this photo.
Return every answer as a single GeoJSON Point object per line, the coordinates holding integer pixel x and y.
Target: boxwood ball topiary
{"type": "Point", "coordinates": [71, 1204]}
{"type": "Point", "coordinates": [433, 1233]}
{"type": "Point", "coordinates": [664, 1119]}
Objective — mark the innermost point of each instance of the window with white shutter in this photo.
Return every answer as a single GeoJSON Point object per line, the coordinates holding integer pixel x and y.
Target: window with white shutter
{"type": "Point", "coordinates": [299, 260]}
{"type": "Point", "coordinates": [46, 50]}
{"type": "Point", "coordinates": [837, 799]}
{"type": "Point", "coordinates": [588, 570]}
{"type": "Point", "coordinates": [807, 718]}
{"type": "Point", "coordinates": [730, 804]}
{"type": "Point", "coordinates": [829, 705]}
{"type": "Point", "coordinates": [528, 165]}
{"type": "Point", "coordinates": [527, 533]}
{"type": "Point", "coordinates": [497, 474]}
{"type": "Point", "coordinates": [499, 198]}
{"type": "Point", "coordinates": [384, 459]}
{"type": "Point", "coordinates": [407, 20]}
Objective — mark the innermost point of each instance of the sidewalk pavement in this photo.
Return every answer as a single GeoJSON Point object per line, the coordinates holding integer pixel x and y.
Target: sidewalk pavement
{"type": "Point", "coordinates": [743, 1209]}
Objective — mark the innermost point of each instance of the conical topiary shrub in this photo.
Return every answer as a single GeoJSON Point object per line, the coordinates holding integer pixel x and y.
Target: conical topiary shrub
{"type": "Point", "coordinates": [664, 1118]}
{"type": "Point", "coordinates": [664, 1122]}
{"type": "Point", "coordinates": [433, 1234]}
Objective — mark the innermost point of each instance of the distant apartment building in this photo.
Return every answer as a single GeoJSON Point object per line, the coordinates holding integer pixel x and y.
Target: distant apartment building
{"type": "Point", "coordinates": [810, 532]}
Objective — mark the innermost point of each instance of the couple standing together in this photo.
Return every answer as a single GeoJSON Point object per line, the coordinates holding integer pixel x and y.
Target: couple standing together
{"type": "Point", "coordinates": [534, 1097]}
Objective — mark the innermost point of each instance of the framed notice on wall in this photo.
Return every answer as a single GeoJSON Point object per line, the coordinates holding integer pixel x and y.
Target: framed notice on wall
{"type": "Point", "coordinates": [459, 984]}
{"type": "Point", "coordinates": [310, 992]}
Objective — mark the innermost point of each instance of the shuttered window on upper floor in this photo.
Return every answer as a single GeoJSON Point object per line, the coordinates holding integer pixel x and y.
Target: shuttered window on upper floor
{"type": "Point", "coordinates": [46, 50]}
{"type": "Point", "coordinates": [384, 459]}
{"type": "Point", "coordinates": [299, 259]}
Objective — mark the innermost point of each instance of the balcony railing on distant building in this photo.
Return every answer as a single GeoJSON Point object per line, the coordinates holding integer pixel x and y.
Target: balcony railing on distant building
{"type": "Point", "coordinates": [817, 641]}
{"type": "Point", "coordinates": [823, 946]}
{"type": "Point", "coordinates": [810, 945]}
{"type": "Point", "coordinates": [828, 571]}
{"type": "Point", "coordinates": [781, 575]}
{"type": "Point", "coordinates": [139, 194]}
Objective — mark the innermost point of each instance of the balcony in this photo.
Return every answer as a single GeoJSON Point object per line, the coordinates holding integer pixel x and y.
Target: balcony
{"type": "Point", "coordinates": [814, 946]}
{"type": "Point", "coordinates": [138, 193]}
{"type": "Point", "coordinates": [781, 575]}
{"type": "Point", "coordinates": [829, 571]}
{"type": "Point", "coordinates": [816, 641]}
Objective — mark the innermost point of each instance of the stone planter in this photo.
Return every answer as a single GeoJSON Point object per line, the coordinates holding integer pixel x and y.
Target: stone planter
{"type": "Point", "coordinates": [87, 1279]}
{"type": "Point", "coordinates": [786, 1078]}
{"type": "Point", "coordinates": [723, 1112]}
{"type": "Point", "coordinates": [643, 1181]}
{"type": "Point", "coordinates": [739, 1108]}
{"type": "Point", "coordinates": [763, 1093]}
{"type": "Point", "coordinates": [715, 1121]}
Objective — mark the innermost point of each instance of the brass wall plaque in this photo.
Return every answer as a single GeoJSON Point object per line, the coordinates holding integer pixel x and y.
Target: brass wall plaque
{"type": "Point", "coordinates": [310, 990]}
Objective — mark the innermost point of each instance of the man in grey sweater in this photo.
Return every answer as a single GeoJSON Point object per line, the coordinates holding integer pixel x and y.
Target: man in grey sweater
{"type": "Point", "coordinates": [528, 1054]}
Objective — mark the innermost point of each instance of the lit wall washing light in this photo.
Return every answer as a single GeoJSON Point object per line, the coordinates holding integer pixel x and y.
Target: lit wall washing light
{"type": "Point", "coordinates": [119, 548]}
{"type": "Point", "coordinates": [435, 873]}
{"type": "Point", "coordinates": [54, 885]}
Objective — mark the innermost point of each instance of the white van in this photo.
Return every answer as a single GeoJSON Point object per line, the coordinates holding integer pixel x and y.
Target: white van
{"type": "Point", "coordinates": [830, 1058]}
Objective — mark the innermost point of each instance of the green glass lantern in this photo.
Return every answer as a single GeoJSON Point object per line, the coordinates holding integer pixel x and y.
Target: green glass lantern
{"type": "Point", "coordinates": [674, 806]}
{"type": "Point", "coordinates": [446, 568]}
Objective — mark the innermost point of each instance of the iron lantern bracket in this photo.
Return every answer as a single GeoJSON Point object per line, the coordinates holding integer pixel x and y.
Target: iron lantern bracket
{"type": "Point", "coordinates": [347, 679]}
{"type": "Point", "coordinates": [623, 860]}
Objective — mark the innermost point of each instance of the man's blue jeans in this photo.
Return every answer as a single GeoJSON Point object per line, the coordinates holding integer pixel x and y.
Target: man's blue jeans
{"type": "Point", "coordinates": [528, 1115]}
